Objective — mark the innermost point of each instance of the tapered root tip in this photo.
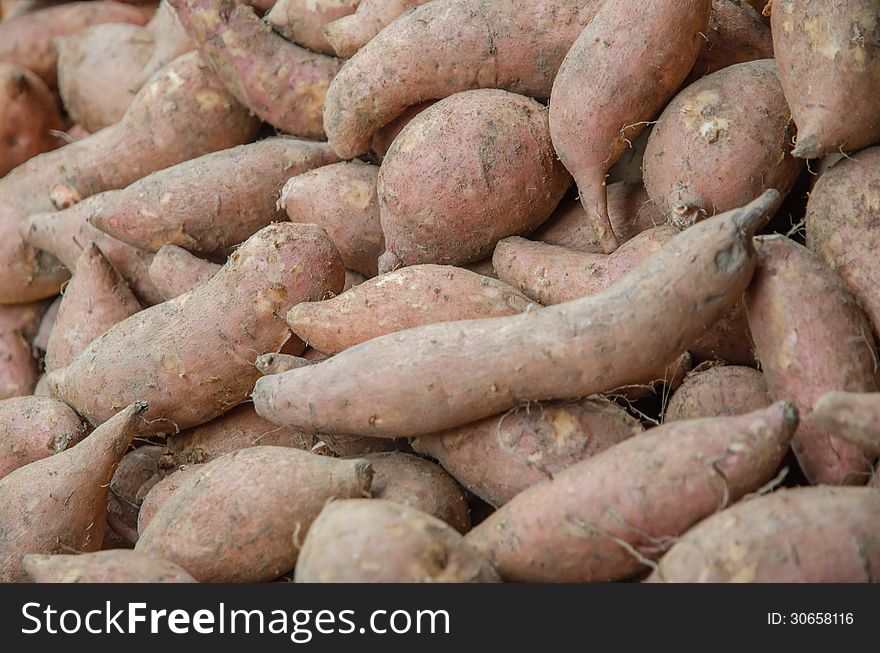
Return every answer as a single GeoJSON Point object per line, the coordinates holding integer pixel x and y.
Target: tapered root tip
{"type": "Point", "coordinates": [807, 147]}
{"type": "Point", "coordinates": [757, 213]}
{"type": "Point", "coordinates": [139, 407]}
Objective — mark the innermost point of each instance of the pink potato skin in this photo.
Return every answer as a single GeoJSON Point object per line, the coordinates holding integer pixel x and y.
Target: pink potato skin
{"type": "Point", "coordinates": [175, 271]}
{"type": "Point", "coordinates": [172, 41]}
{"type": "Point", "coordinates": [829, 65]}
{"type": "Point", "coordinates": [28, 40]}
{"type": "Point", "coordinates": [47, 323]}
{"type": "Point", "coordinates": [516, 45]}
{"type": "Point", "coordinates": [842, 217]}
{"type": "Point", "coordinates": [643, 492]}
{"type": "Point", "coordinates": [302, 21]}
{"type": "Point", "coordinates": [29, 113]}
{"type": "Point", "coordinates": [181, 114]}
{"type": "Point", "coordinates": [33, 428]}
{"type": "Point", "coordinates": [718, 391]}
{"type": "Point", "coordinates": [629, 209]}
{"type": "Point", "coordinates": [811, 337]}
{"type": "Point", "coordinates": [211, 203]}
{"type": "Point", "coordinates": [737, 33]}
{"type": "Point", "coordinates": [280, 82]}
{"type": "Point", "coordinates": [136, 468]}
{"type": "Point", "coordinates": [794, 535]}
{"type": "Point", "coordinates": [96, 299]}
{"type": "Point", "coordinates": [117, 566]}
{"type": "Point", "coordinates": [346, 35]}
{"type": "Point", "coordinates": [385, 136]}
{"type": "Point", "coordinates": [403, 299]}
{"type": "Point", "coordinates": [153, 353]}
{"type": "Point", "coordinates": [342, 199]}
{"type": "Point", "coordinates": [853, 416]}
{"type": "Point", "coordinates": [498, 457]}
{"type": "Point", "coordinates": [618, 75]}
{"type": "Point", "coordinates": [18, 367]}
{"type": "Point", "coordinates": [722, 141]}
{"type": "Point", "coordinates": [466, 172]}
{"type": "Point", "coordinates": [153, 499]}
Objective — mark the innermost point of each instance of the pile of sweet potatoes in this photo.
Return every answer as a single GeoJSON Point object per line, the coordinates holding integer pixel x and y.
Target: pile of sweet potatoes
{"type": "Point", "coordinates": [440, 291]}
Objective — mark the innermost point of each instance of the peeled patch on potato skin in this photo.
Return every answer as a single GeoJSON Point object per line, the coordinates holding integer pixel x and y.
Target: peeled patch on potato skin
{"type": "Point", "coordinates": [811, 337]}
{"type": "Point", "coordinates": [464, 173]}
{"type": "Point", "coordinates": [498, 457]}
{"type": "Point", "coordinates": [586, 523]}
{"type": "Point", "coordinates": [377, 541]}
{"type": "Point", "coordinates": [117, 566]}
{"type": "Point", "coordinates": [722, 140]}
{"type": "Point", "coordinates": [403, 299]}
{"type": "Point", "coordinates": [243, 516]}
{"type": "Point", "coordinates": [794, 535]}
{"type": "Point", "coordinates": [718, 391]}
{"type": "Point", "coordinates": [620, 72]}
{"type": "Point", "coordinates": [516, 45]}
{"type": "Point", "coordinates": [829, 64]}
{"type": "Point", "coordinates": [346, 35]}
{"type": "Point", "coordinates": [177, 347]}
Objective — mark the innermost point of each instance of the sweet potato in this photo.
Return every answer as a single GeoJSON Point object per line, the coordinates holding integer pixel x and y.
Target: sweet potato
{"type": "Point", "coordinates": [842, 217]}
{"type": "Point", "coordinates": [28, 114]}
{"type": "Point", "coordinates": [181, 114]}
{"type": "Point", "coordinates": [708, 153]}
{"type": "Point", "coordinates": [403, 299]}
{"type": "Point", "coordinates": [96, 68]}
{"type": "Point", "coordinates": [811, 337]}
{"type": "Point", "coordinates": [718, 391]}
{"type": "Point", "coordinates": [385, 136]}
{"type": "Point", "coordinates": [254, 506]}
{"type": "Point", "coordinates": [282, 83]}
{"type": "Point", "coordinates": [302, 21]}
{"type": "Point", "coordinates": [342, 199]}
{"type": "Point", "coordinates": [829, 65]}
{"type": "Point", "coordinates": [175, 271]}
{"type": "Point", "coordinates": [516, 45]}
{"type": "Point", "coordinates": [853, 416]}
{"type": "Point", "coordinates": [47, 323]}
{"type": "Point", "coordinates": [498, 457]}
{"type": "Point", "coordinates": [96, 299]}
{"type": "Point", "coordinates": [172, 41]}
{"type": "Point", "coordinates": [620, 72]}
{"type": "Point", "coordinates": [234, 317]}
{"type": "Point", "coordinates": [28, 40]}
{"type": "Point", "coordinates": [600, 519]}
{"type": "Point", "coordinates": [33, 428]}
{"type": "Point", "coordinates": [376, 541]}
{"type": "Point", "coordinates": [153, 498]}
{"type": "Point", "coordinates": [347, 446]}
{"type": "Point", "coordinates": [103, 567]}
{"type": "Point", "coordinates": [65, 495]}
{"type": "Point", "coordinates": [346, 35]}
{"type": "Point", "coordinates": [135, 469]}
{"type": "Point", "coordinates": [18, 367]}
{"type": "Point", "coordinates": [277, 363]}
{"type": "Point", "coordinates": [629, 209]}
{"type": "Point", "coordinates": [420, 484]}
{"type": "Point", "coordinates": [464, 173]}
{"type": "Point", "coordinates": [572, 350]}
{"type": "Point", "coordinates": [737, 33]}
{"type": "Point", "coordinates": [795, 535]}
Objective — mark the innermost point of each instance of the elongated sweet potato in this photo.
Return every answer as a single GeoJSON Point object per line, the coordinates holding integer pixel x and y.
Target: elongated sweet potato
{"type": "Point", "coordinates": [572, 350]}
{"type": "Point", "coordinates": [175, 271]}
{"type": "Point", "coordinates": [829, 65]}
{"type": "Point", "coordinates": [172, 41]}
{"type": "Point", "coordinates": [66, 496]}
{"type": "Point", "coordinates": [342, 199]}
{"type": "Point", "coordinates": [403, 299]}
{"type": "Point", "coordinates": [18, 367]}
{"type": "Point", "coordinates": [28, 40]}
{"type": "Point", "coordinates": [254, 506]}
{"type": "Point", "coordinates": [843, 226]}
{"type": "Point", "coordinates": [154, 353]}
{"type": "Point", "coordinates": [420, 484]}
{"type": "Point", "coordinates": [303, 21]}
{"type": "Point", "coordinates": [96, 299]}
{"type": "Point", "coordinates": [629, 209]}
{"type": "Point", "coordinates": [96, 68]}
{"type": "Point", "coordinates": [33, 428]}
{"type": "Point", "coordinates": [811, 337]}
{"type": "Point", "coordinates": [853, 416]}
{"type": "Point", "coordinates": [181, 114]}
{"type": "Point", "coordinates": [211, 203]}
{"type": "Point", "coordinates": [376, 541]}
{"type": "Point", "coordinates": [516, 45]}
{"type": "Point", "coordinates": [464, 173]}
{"type": "Point", "coordinates": [136, 468]}
{"type": "Point", "coordinates": [708, 153]}
{"type": "Point", "coordinates": [346, 35]}
{"type": "Point", "coordinates": [498, 457]}
{"type": "Point", "coordinates": [28, 114]}
{"type": "Point", "coordinates": [737, 33]}
{"type": "Point", "coordinates": [156, 491]}
{"type": "Point", "coordinates": [617, 76]}
{"type": "Point", "coordinates": [795, 535]}
{"type": "Point", "coordinates": [718, 391]}
{"type": "Point", "coordinates": [282, 83]}
{"type": "Point", "coordinates": [601, 518]}
{"type": "Point", "coordinates": [103, 567]}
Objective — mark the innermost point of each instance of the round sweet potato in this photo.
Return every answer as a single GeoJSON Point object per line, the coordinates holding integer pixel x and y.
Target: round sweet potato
{"type": "Point", "coordinates": [718, 391]}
